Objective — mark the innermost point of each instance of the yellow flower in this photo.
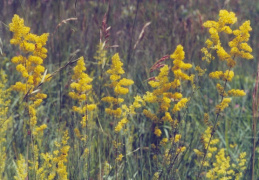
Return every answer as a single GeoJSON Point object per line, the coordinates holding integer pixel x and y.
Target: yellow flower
{"type": "Point", "coordinates": [116, 112]}
{"type": "Point", "coordinates": [120, 90]}
{"type": "Point", "coordinates": [167, 117]}
{"type": "Point", "coordinates": [154, 84]}
{"type": "Point", "coordinates": [177, 138]}
{"type": "Point", "coordinates": [236, 92]}
{"type": "Point", "coordinates": [120, 125]}
{"type": "Point", "coordinates": [163, 141]}
{"type": "Point", "coordinates": [200, 70]}
{"type": "Point", "coordinates": [86, 151]}
{"type": "Point", "coordinates": [207, 55]}
{"type": "Point", "coordinates": [180, 149]}
{"type": "Point", "coordinates": [178, 54]}
{"type": "Point", "coordinates": [226, 17]}
{"type": "Point", "coordinates": [156, 176]}
{"type": "Point", "coordinates": [116, 67]}
{"type": "Point", "coordinates": [112, 100]}
{"type": "Point", "coordinates": [21, 169]}
{"type": "Point", "coordinates": [228, 75]}
{"type": "Point", "coordinates": [214, 35]}
{"type": "Point", "coordinates": [222, 54]}
{"type": "Point", "coordinates": [119, 158]}
{"type": "Point", "coordinates": [91, 107]}
{"type": "Point", "coordinates": [238, 45]}
{"type": "Point", "coordinates": [216, 74]}
{"type": "Point", "coordinates": [125, 82]}
{"type": "Point", "coordinates": [220, 89]}
{"type": "Point", "coordinates": [101, 56]}
{"type": "Point", "coordinates": [176, 83]}
{"type": "Point", "coordinates": [30, 67]}
{"type": "Point", "coordinates": [41, 128]}
{"type": "Point", "coordinates": [149, 97]}
{"type": "Point", "coordinates": [157, 132]}
{"type": "Point", "coordinates": [81, 88]}
{"type": "Point", "coordinates": [181, 104]}
{"type": "Point", "coordinates": [77, 133]}
{"type": "Point", "coordinates": [220, 107]}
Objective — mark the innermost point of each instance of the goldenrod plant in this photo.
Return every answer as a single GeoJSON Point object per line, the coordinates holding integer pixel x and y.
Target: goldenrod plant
{"type": "Point", "coordinates": [170, 101]}
{"type": "Point", "coordinates": [238, 49]}
{"type": "Point", "coordinates": [117, 110]}
{"type": "Point", "coordinates": [81, 89]}
{"type": "Point", "coordinates": [29, 64]}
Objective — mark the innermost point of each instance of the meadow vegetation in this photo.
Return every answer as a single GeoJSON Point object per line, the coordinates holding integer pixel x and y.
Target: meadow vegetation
{"type": "Point", "coordinates": [128, 89]}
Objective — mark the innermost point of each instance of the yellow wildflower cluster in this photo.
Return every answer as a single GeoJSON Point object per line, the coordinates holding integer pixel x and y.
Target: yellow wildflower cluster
{"type": "Point", "coordinates": [167, 156]}
{"type": "Point", "coordinates": [207, 55]}
{"type": "Point", "coordinates": [116, 144]}
{"type": "Point", "coordinates": [164, 141]}
{"type": "Point", "coordinates": [119, 158]}
{"type": "Point", "coordinates": [208, 145]}
{"type": "Point", "coordinates": [157, 132]}
{"type": "Point", "coordinates": [200, 70]}
{"type": "Point", "coordinates": [178, 68]}
{"type": "Point", "coordinates": [236, 92]}
{"type": "Point", "coordinates": [167, 117]}
{"type": "Point", "coordinates": [30, 66]}
{"type": "Point", "coordinates": [81, 87]}
{"type": "Point", "coordinates": [121, 124]}
{"type": "Point", "coordinates": [54, 164]}
{"type": "Point", "coordinates": [181, 104]}
{"type": "Point", "coordinates": [21, 169]}
{"type": "Point", "coordinates": [170, 101]}
{"type": "Point", "coordinates": [239, 47]}
{"type": "Point", "coordinates": [162, 93]}
{"type": "Point", "coordinates": [221, 90]}
{"type": "Point", "coordinates": [115, 72]}
{"type": "Point", "coordinates": [179, 65]}
{"type": "Point", "coordinates": [220, 107]}
{"type": "Point", "coordinates": [180, 150]}
{"type": "Point", "coordinates": [156, 176]}
{"type": "Point", "coordinates": [34, 164]}
{"type": "Point", "coordinates": [223, 169]}
{"type": "Point", "coordinates": [205, 140]}
{"type": "Point", "coordinates": [225, 76]}
{"type": "Point", "coordinates": [177, 138]}
{"type": "Point", "coordinates": [4, 120]}
{"type": "Point", "coordinates": [33, 46]}
{"type": "Point", "coordinates": [116, 109]}
{"type": "Point", "coordinates": [119, 86]}
{"type": "Point", "coordinates": [101, 54]}
{"type": "Point", "coordinates": [138, 102]}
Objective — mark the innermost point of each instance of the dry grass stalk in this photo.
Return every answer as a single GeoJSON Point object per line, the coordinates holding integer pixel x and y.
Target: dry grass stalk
{"type": "Point", "coordinates": [159, 64]}
{"type": "Point", "coordinates": [63, 22]}
{"type": "Point", "coordinates": [141, 35]}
